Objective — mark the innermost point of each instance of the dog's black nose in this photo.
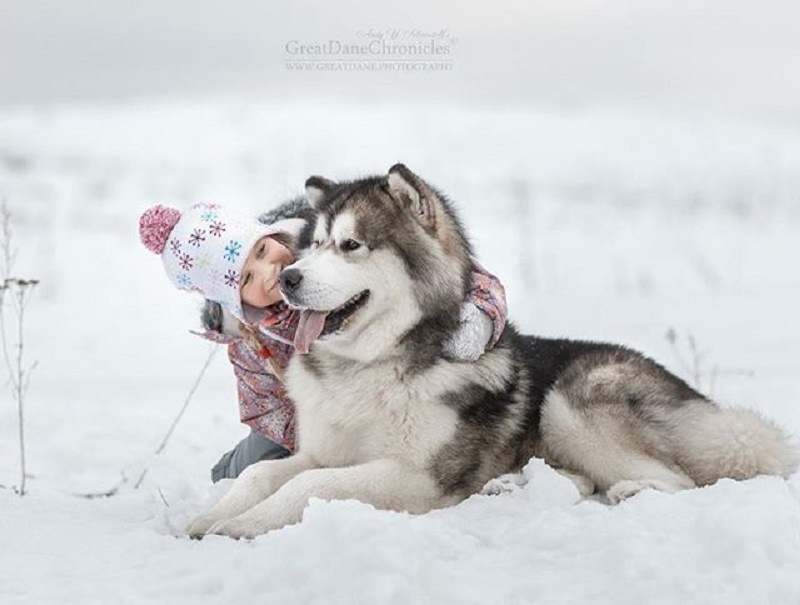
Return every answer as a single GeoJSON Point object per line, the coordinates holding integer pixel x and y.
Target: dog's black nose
{"type": "Point", "coordinates": [290, 279]}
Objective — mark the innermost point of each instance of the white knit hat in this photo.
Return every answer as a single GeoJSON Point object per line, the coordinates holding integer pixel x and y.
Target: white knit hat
{"type": "Point", "coordinates": [205, 248]}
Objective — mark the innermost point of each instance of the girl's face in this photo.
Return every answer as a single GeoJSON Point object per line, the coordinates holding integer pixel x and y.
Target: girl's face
{"type": "Point", "coordinates": [259, 282]}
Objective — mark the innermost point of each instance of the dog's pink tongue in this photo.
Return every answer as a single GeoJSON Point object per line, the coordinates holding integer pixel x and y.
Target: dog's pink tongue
{"type": "Point", "coordinates": [309, 329]}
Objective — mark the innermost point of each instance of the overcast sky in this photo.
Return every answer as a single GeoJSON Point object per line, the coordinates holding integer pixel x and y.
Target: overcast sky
{"type": "Point", "coordinates": [716, 54]}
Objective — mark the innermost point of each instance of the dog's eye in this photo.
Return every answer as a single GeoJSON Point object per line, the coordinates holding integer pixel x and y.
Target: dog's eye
{"type": "Point", "coordinates": [316, 244]}
{"type": "Point", "coordinates": [349, 245]}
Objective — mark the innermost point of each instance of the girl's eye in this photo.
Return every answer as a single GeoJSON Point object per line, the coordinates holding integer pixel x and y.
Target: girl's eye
{"type": "Point", "coordinates": [246, 280]}
{"type": "Point", "coordinates": [260, 253]}
{"type": "Point", "coordinates": [349, 245]}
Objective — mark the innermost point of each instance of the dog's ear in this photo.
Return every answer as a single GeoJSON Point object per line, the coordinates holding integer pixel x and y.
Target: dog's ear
{"type": "Point", "coordinates": [316, 189]}
{"type": "Point", "coordinates": [420, 199]}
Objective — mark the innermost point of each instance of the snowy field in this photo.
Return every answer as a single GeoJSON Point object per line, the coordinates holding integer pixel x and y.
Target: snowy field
{"type": "Point", "coordinates": [603, 224]}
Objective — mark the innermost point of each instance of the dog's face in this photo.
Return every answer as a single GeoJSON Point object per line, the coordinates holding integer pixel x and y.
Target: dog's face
{"type": "Point", "coordinates": [382, 254]}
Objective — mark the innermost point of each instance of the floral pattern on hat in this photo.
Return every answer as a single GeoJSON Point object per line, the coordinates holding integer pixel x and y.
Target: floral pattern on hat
{"type": "Point", "coordinates": [204, 248]}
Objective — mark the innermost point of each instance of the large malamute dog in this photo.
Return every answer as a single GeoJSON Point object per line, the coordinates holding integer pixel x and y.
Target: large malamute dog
{"type": "Point", "coordinates": [386, 418]}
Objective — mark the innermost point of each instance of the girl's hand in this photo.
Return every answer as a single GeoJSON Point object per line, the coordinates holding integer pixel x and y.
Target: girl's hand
{"type": "Point", "coordinates": [469, 343]}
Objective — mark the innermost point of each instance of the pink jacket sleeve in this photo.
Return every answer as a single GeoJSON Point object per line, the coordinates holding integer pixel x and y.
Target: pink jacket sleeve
{"type": "Point", "coordinates": [263, 403]}
{"type": "Point", "coordinates": [489, 296]}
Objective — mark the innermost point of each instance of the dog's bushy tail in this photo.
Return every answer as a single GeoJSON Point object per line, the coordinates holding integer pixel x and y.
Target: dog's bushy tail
{"type": "Point", "coordinates": [734, 443]}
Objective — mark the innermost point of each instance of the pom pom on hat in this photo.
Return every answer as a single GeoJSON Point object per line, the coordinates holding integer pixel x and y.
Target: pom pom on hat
{"type": "Point", "coordinates": [155, 225]}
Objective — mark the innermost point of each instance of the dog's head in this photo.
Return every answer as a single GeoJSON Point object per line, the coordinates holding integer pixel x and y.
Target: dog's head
{"type": "Point", "coordinates": [383, 262]}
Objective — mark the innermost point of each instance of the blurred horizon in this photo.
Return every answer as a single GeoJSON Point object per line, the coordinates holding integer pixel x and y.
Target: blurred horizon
{"type": "Point", "coordinates": [718, 57]}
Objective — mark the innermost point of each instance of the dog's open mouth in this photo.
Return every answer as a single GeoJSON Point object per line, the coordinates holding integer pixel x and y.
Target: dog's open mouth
{"type": "Point", "coordinates": [314, 324]}
{"type": "Point", "coordinates": [336, 318]}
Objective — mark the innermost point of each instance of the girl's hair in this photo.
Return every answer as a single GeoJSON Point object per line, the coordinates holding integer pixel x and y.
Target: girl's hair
{"type": "Point", "coordinates": [250, 336]}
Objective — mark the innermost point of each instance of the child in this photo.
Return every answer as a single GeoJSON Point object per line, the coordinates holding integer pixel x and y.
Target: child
{"type": "Point", "coordinates": [234, 261]}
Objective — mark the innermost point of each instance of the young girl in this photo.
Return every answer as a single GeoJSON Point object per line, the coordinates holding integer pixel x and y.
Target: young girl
{"type": "Point", "coordinates": [234, 262]}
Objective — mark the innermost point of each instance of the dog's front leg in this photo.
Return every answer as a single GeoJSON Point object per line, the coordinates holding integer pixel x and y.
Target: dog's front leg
{"type": "Point", "coordinates": [257, 482]}
{"type": "Point", "coordinates": [386, 484]}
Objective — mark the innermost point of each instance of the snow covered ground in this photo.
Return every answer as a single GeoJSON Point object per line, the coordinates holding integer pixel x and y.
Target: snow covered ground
{"type": "Point", "coordinates": [603, 224]}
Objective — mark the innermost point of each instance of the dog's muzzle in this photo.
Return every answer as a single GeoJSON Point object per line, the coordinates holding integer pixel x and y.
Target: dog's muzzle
{"type": "Point", "coordinates": [290, 280]}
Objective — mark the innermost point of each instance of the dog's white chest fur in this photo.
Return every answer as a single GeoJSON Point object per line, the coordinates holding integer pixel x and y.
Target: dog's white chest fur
{"type": "Point", "coordinates": [351, 417]}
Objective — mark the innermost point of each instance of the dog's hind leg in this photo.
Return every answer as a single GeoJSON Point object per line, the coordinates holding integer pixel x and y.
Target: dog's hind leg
{"type": "Point", "coordinates": [256, 483]}
{"type": "Point", "coordinates": [640, 472]}
{"type": "Point", "coordinates": [601, 447]}
{"type": "Point", "coordinates": [634, 472]}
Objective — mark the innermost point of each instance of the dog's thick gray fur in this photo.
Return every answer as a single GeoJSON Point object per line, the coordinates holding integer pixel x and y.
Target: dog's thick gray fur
{"type": "Point", "coordinates": [385, 418]}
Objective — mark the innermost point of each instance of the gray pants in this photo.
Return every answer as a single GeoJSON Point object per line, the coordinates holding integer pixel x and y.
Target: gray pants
{"type": "Point", "coordinates": [253, 448]}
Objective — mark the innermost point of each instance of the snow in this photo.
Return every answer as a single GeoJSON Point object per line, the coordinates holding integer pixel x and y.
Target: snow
{"type": "Point", "coordinates": [602, 224]}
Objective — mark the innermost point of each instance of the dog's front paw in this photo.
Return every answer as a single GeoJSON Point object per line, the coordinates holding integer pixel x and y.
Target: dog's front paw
{"type": "Point", "coordinates": [200, 525]}
{"type": "Point", "coordinates": [236, 528]}
{"type": "Point", "coordinates": [248, 525]}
